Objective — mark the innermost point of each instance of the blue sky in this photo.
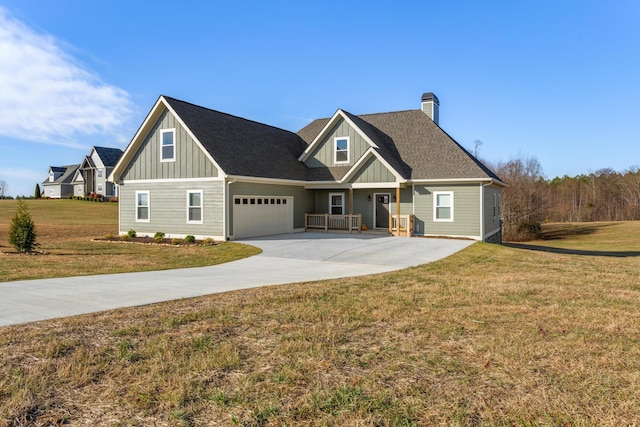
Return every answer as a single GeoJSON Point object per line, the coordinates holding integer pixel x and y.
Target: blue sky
{"type": "Point", "coordinates": [557, 80]}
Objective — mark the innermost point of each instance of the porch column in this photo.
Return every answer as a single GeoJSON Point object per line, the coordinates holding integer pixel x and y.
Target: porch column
{"type": "Point", "coordinates": [350, 209]}
{"type": "Point", "coordinates": [398, 211]}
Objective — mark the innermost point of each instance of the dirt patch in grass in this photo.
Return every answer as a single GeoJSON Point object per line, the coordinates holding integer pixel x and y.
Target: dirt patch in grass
{"type": "Point", "coordinates": [490, 336]}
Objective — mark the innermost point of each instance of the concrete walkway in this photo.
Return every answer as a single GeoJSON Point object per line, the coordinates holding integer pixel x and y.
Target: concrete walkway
{"type": "Point", "coordinates": [285, 259]}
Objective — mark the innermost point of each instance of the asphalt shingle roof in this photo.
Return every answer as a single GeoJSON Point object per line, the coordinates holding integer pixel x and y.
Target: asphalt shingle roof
{"type": "Point", "coordinates": [244, 147]}
{"type": "Point", "coordinates": [413, 145]}
{"type": "Point", "coordinates": [109, 156]}
{"type": "Point", "coordinates": [66, 177]}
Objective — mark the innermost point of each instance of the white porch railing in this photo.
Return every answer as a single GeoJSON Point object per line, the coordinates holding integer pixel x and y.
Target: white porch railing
{"type": "Point", "coordinates": [406, 225]}
{"type": "Point", "coordinates": [332, 222]}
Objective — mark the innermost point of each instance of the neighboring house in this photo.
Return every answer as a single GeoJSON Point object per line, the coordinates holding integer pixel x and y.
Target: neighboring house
{"type": "Point", "coordinates": [59, 184]}
{"type": "Point", "coordinates": [192, 170]}
{"type": "Point", "coordinates": [93, 173]}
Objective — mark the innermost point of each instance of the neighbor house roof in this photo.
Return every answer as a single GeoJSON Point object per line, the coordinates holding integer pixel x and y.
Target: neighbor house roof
{"type": "Point", "coordinates": [109, 156]}
{"type": "Point", "coordinates": [415, 146]}
{"type": "Point", "coordinates": [243, 147]}
{"type": "Point", "coordinates": [66, 177]}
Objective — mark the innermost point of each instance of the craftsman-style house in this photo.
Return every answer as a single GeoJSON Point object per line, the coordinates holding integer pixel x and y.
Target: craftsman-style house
{"type": "Point", "coordinates": [190, 170]}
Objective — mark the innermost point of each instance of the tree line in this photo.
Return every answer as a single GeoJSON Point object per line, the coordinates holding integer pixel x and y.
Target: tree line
{"type": "Point", "coordinates": [530, 199]}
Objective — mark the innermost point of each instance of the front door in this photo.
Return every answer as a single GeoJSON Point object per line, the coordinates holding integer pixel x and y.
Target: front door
{"type": "Point", "coordinates": [382, 211]}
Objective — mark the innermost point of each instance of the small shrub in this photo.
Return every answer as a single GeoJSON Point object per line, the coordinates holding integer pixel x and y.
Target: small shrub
{"type": "Point", "coordinates": [159, 237]}
{"type": "Point", "coordinates": [22, 234]}
{"type": "Point", "coordinates": [189, 239]}
{"type": "Point", "coordinates": [109, 236]}
{"type": "Point", "coordinates": [131, 233]}
{"type": "Point", "coordinates": [125, 237]}
{"type": "Point", "coordinates": [208, 242]}
{"type": "Point", "coordinates": [175, 241]}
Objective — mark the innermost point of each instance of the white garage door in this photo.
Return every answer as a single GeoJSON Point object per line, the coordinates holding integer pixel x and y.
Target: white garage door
{"type": "Point", "coordinates": [262, 216]}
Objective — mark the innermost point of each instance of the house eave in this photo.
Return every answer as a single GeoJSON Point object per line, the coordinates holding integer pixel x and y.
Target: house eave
{"type": "Point", "coordinates": [458, 181]}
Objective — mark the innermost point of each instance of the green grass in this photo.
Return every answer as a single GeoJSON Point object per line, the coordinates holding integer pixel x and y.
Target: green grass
{"type": "Point", "coordinates": [490, 336]}
{"type": "Point", "coordinates": [65, 231]}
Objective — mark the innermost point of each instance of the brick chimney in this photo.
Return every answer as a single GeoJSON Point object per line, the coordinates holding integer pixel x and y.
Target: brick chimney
{"type": "Point", "coordinates": [431, 106]}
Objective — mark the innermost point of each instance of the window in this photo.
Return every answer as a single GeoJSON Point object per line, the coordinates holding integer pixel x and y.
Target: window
{"type": "Point", "coordinates": [99, 173]}
{"type": "Point", "coordinates": [336, 203]}
{"type": "Point", "coordinates": [443, 206]}
{"type": "Point", "coordinates": [168, 145]}
{"type": "Point", "coordinates": [194, 206]}
{"type": "Point", "coordinates": [99, 188]}
{"type": "Point", "coordinates": [341, 150]}
{"type": "Point", "coordinates": [142, 206]}
{"type": "Point", "coordinates": [51, 176]}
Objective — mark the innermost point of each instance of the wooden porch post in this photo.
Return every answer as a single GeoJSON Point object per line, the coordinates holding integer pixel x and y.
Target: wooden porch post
{"type": "Point", "coordinates": [350, 207]}
{"type": "Point", "coordinates": [398, 211]}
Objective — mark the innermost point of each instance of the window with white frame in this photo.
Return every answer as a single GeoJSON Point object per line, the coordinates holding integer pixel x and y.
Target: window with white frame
{"type": "Point", "coordinates": [142, 206]}
{"type": "Point", "coordinates": [443, 205]}
{"type": "Point", "coordinates": [341, 150]}
{"type": "Point", "coordinates": [99, 188]}
{"type": "Point", "coordinates": [336, 203]}
{"type": "Point", "coordinates": [194, 206]}
{"type": "Point", "coordinates": [99, 173]}
{"type": "Point", "coordinates": [167, 145]}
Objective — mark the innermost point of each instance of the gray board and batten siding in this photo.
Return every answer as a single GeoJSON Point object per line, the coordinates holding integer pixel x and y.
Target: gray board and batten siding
{"type": "Point", "coordinates": [492, 214]}
{"type": "Point", "coordinates": [190, 160]}
{"type": "Point", "coordinates": [466, 214]}
{"type": "Point", "coordinates": [373, 171]}
{"type": "Point", "coordinates": [168, 209]}
{"type": "Point", "coordinates": [323, 156]}
{"type": "Point", "coordinates": [303, 200]}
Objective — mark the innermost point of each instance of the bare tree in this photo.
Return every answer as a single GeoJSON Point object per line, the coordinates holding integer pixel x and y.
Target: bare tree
{"type": "Point", "coordinates": [523, 200]}
{"type": "Point", "coordinates": [4, 189]}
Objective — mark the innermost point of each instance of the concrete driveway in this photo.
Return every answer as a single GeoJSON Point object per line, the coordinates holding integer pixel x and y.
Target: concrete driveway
{"type": "Point", "coordinates": [288, 258]}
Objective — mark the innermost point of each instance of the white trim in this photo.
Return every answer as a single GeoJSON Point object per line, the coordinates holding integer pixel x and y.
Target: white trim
{"type": "Point", "coordinates": [148, 193]}
{"type": "Point", "coordinates": [165, 180]}
{"type": "Point", "coordinates": [335, 150]}
{"type": "Point", "coordinates": [331, 205]}
{"type": "Point", "coordinates": [363, 159]}
{"type": "Point", "coordinates": [172, 131]}
{"type": "Point", "coordinates": [146, 126]}
{"type": "Point", "coordinates": [260, 180]}
{"type": "Point", "coordinates": [482, 213]}
{"type": "Point", "coordinates": [325, 185]}
{"type": "Point", "coordinates": [325, 130]}
{"type": "Point", "coordinates": [375, 209]}
{"type": "Point", "coordinates": [435, 206]}
{"type": "Point", "coordinates": [201, 192]}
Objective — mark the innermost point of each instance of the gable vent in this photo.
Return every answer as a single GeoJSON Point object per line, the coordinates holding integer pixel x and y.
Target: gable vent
{"type": "Point", "coordinates": [431, 106]}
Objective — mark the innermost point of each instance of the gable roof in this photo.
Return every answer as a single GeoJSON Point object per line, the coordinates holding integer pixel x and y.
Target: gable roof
{"type": "Point", "coordinates": [109, 156]}
{"type": "Point", "coordinates": [413, 145]}
{"type": "Point", "coordinates": [243, 147]}
{"type": "Point", "coordinates": [66, 177]}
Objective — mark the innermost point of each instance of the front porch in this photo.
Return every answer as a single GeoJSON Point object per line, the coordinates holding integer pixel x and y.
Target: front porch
{"type": "Point", "coordinates": [351, 223]}
{"type": "Point", "coordinates": [377, 209]}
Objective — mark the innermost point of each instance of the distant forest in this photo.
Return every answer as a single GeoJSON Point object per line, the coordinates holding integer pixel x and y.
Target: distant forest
{"type": "Point", "coordinates": [530, 199]}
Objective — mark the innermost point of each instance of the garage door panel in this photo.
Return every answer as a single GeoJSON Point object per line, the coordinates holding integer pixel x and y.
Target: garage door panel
{"type": "Point", "coordinates": [262, 215]}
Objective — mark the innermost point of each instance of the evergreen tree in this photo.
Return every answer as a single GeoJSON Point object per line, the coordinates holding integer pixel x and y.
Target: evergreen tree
{"type": "Point", "coordinates": [36, 193]}
{"type": "Point", "coordinates": [22, 234]}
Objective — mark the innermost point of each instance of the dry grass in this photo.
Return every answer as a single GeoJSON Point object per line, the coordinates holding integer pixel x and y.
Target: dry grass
{"type": "Point", "coordinates": [490, 336]}
{"type": "Point", "coordinates": [65, 229]}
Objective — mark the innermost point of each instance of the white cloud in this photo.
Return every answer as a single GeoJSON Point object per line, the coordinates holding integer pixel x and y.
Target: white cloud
{"type": "Point", "coordinates": [45, 96]}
